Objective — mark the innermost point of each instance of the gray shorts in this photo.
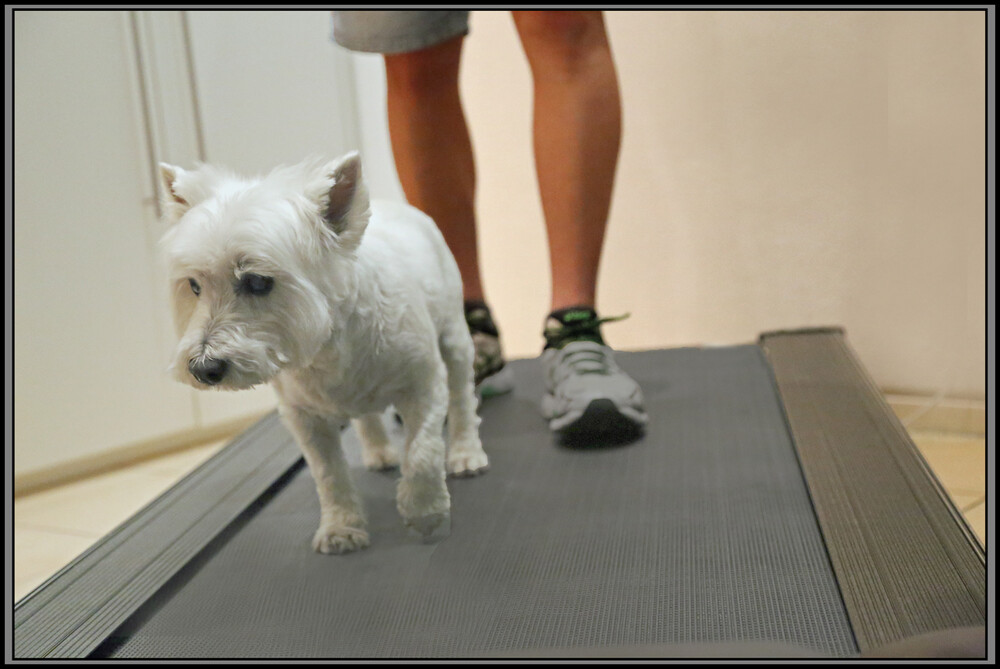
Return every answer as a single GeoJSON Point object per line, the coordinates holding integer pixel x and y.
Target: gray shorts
{"type": "Point", "coordinates": [397, 31]}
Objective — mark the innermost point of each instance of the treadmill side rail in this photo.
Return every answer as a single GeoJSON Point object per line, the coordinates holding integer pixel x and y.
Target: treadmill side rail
{"type": "Point", "coordinates": [905, 559]}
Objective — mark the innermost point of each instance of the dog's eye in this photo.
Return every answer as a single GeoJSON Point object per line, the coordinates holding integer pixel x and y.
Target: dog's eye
{"type": "Point", "coordinates": [255, 284]}
{"type": "Point", "coordinates": [195, 288]}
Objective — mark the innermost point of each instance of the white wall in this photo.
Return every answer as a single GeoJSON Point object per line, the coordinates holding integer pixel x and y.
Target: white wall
{"type": "Point", "coordinates": [778, 169]}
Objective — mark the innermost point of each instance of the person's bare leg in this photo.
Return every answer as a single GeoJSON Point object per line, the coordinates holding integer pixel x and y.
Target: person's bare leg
{"type": "Point", "coordinates": [433, 154]}
{"type": "Point", "coordinates": [432, 149]}
{"type": "Point", "coordinates": [577, 133]}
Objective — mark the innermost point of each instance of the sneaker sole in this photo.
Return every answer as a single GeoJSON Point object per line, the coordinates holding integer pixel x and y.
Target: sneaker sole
{"type": "Point", "coordinates": [601, 416]}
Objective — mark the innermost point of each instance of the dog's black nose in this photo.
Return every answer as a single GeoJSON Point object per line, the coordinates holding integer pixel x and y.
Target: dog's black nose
{"type": "Point", "coordinates": [209, 371]}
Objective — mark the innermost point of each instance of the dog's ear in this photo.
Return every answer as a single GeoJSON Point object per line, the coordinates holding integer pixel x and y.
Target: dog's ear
{"type": "Point", "coordinates": [345, 206]}
{"type": "Point", "coordinates": [182, 189]}
{"type": "Point", "coordinates": [172, 203]}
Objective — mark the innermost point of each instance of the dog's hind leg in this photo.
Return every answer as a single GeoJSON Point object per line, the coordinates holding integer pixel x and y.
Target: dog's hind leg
{"type": "Point", "coordinates": [465, 451]}
{"type": "Point", "coordinates": [377, 452]}
{"type": "Point", "coordinates": [342, 521]}
{"type": "Point", "coordinates": [422, 494]}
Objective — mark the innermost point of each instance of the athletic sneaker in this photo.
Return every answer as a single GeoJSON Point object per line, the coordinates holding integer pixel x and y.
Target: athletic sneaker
{"type": "Point", "coordinates": [586, 391]}
{"type": "Point", "coordinates": [491, 374]}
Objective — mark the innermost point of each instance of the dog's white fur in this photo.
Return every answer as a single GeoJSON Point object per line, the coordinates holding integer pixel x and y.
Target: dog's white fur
{"type": "Point", "coordinates": [365, 312]}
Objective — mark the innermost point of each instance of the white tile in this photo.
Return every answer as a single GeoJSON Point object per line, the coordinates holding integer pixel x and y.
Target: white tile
{"type": "Point", "coordinates": [39, 554]}
{"type": "Point", "coordinates": [54, 526]}
{"type": "Point", "coordinates": [94, 506]}
{"type": "Point", "coordinates": [97, 505]}
{"type": "Point", "coordinates": [977, 518]}
{"type": "Point", "coordinates": [958, 461]}
{"type": "Point", "coordinates": [935, 414]}
{"type": "Point", "coordinates": [23, 586]}
{"type": "Point", "coordinates": [966, 501]}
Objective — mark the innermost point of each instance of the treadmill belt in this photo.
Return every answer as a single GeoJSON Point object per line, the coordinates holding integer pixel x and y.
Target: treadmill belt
{"type": "Point", "coordinates": [699, 532]}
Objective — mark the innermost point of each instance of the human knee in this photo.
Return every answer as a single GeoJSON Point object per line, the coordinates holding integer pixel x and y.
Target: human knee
{"type": "Point", "coordinates": [561, 41]}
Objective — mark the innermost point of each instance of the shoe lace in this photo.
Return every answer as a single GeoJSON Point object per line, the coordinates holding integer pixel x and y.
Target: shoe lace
{"type": "Point", "coordinates": [583, 360]}
{"type": "Point", "coordinates": [587, 361]}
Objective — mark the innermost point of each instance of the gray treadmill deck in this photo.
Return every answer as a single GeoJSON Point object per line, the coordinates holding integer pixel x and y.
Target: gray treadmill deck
{"type": "Point", "coordinates": [699, 532]}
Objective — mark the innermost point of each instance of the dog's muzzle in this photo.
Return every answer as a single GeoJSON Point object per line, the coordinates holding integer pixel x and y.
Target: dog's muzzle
{"type": "Point", "coordinates": [209, 371]}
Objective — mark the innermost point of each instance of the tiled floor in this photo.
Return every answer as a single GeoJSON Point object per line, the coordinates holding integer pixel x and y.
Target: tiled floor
{"type": "Point", "coordinates": [53, 527]}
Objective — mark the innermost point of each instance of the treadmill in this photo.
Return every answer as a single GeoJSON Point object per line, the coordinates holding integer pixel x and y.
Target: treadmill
{"type": "Point", "coordinates": [774, 507]}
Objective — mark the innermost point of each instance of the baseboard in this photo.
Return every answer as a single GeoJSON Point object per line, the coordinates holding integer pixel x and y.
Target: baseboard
{"type": "Point", "coordinates": [126, 456]}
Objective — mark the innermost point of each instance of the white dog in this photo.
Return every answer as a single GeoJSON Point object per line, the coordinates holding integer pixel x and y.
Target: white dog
{"type": "Point", "coordinates": [346, 308]}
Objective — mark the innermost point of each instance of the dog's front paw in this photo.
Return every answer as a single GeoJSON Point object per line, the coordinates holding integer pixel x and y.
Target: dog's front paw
{"type": "Point", "coordinates": [465, 463]}
{"type": "Point", "coordinates": [423, 505]}
{"type": "Point", "coordinates": [467, 458]}
{"type": "Point", "coordinates": [426, 525]}
{"type": "Point", "coordinates": [334, 540]}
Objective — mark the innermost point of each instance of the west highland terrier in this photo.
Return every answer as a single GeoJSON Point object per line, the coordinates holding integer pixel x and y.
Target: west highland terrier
{"type": "Point", "coordinates": [345, 307]}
